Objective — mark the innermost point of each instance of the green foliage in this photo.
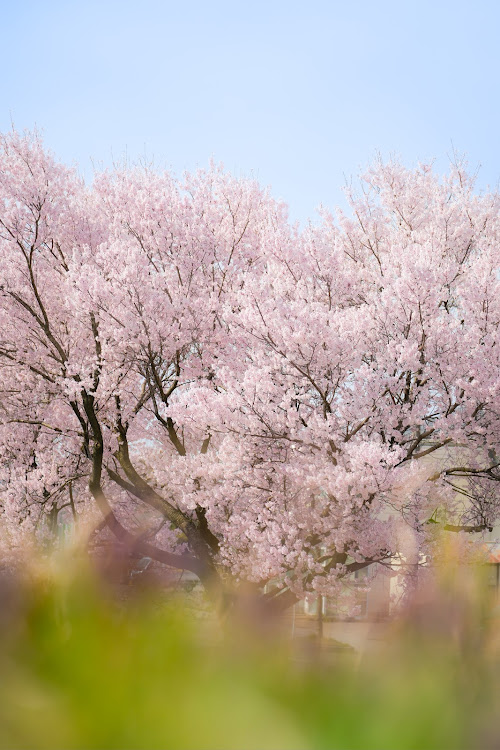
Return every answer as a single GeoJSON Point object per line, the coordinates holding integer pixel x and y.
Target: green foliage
{"type": "Point", "coordinates": [81, 669]}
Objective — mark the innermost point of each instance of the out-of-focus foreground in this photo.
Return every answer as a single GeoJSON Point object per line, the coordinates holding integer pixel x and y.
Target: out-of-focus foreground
{"type": "Point", "coordinates": [85, 667]}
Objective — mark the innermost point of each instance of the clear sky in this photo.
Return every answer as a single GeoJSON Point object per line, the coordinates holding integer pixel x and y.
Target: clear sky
{"type": "Point", "coordinates": [300, 94]}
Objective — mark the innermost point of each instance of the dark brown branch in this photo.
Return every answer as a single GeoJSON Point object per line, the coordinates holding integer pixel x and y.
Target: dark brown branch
{"type": "Point", "coordinates": [35, 370]}
{"type": "Point", "coordinates": [184, 562]}
{"type": "Point", "coordinates": [207, 535]}
{"type": "Point", "coordinates": [136, 545]}
{"type": "Point", "coordinates": [467, 470]}
{"type": "Point", "coordinates": [174, 438]}
{"type": "Point", "coordinates": [432, 449]}
{"type": "Point", "coordinates": [142, 490]}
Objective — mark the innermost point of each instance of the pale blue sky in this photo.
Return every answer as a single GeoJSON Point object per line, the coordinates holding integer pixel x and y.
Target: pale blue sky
{"type": "Point", "coordinates": [299, 94]}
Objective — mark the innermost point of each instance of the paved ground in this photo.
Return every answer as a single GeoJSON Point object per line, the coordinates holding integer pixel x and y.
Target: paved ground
{"type": "Point", "coordinates": [363, 636]}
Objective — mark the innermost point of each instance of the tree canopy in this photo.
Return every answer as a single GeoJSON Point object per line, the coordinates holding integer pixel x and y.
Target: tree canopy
{"type": "Point", "coordinates": [238, 396]}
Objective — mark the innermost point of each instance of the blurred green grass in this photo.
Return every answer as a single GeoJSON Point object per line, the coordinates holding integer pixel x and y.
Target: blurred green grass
{"type": "Point", "coordinates": [83, 669]}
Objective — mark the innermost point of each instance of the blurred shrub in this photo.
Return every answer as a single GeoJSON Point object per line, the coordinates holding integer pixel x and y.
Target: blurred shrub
{"type": "Point", "coordinates": [82, 669]}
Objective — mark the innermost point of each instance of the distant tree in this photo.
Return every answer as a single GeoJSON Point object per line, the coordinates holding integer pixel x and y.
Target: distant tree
{"type": "Point", "coordinates": [237, 397]}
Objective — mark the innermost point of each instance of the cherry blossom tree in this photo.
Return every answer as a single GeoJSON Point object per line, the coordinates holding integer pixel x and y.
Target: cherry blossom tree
{"type": "Point", "coordinates": [237, 397]}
